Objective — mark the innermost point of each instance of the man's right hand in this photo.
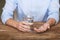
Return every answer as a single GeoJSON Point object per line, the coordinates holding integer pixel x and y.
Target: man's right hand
{"type": "Point", "coordinates": [24, 26]}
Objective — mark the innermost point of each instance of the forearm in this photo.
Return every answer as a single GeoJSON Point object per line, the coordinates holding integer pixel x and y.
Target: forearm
{"type": "Point", "coordinates": [12, 23]}
{"type": "Point", "coordinates": [51, 21]}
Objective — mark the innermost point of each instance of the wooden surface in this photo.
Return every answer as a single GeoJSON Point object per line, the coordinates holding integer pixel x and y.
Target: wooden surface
{"type": "Point", "coordinates": [9, 33]}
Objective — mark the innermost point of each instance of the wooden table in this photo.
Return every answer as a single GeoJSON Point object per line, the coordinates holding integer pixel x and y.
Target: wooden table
{"type": "Point", "coordinates": [9, 33]}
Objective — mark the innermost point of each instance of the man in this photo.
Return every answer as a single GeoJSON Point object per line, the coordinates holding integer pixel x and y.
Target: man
{"type": "Point", "coordinates": [42, 10]}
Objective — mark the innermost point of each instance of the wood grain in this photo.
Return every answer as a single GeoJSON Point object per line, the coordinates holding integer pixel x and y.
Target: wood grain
{"type": "Point", "coordinates": [14, 34]}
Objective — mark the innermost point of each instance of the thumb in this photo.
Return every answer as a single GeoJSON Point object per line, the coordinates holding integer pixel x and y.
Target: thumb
{"type": "Point", "coordinates": [48, 27]}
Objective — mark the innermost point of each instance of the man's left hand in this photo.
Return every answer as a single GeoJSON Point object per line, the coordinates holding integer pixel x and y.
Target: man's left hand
{"type": "Point", "coordinates": [43, 28]}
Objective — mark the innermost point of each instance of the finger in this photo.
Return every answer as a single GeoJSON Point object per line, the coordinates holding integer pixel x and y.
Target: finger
{"type": "Point", "coordinates": [26, 27]}
{"type": "Point", "coordinates": [42, 29]}
{"type": "Point", "coordinates": [35, 29]}
{"type": "Point", "coordinates": [27, 23]}
{"type": "Point", "coordinates": [23, 29]}
{"type": "Point", "coordinates": [48, 27]}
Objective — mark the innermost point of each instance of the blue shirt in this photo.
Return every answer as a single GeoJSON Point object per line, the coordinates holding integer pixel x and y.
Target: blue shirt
{"type": "Point", "coordinates": [41, 10]}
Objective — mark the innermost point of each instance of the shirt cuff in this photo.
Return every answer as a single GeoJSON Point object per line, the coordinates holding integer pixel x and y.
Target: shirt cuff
{"type": "Point", "coordinates": [5, 19]}
{"type": "Point", "coordinates": [54, 17]}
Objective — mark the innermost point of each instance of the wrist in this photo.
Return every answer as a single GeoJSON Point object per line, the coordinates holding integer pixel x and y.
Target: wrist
{"type": "Point", "coordinates": [51, 21]}
{"type": "Point", "coordinates": [17, 25]}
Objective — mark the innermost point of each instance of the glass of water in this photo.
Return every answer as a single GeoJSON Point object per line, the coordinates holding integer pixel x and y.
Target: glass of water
{"type": "Point", "coordinates": [28, 18]}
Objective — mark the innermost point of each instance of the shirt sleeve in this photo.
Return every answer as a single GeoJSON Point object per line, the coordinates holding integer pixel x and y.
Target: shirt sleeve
{"type": "Point", "coordinates": [54, 10]}
{"type": "Point", "coordinates": [8, 9]}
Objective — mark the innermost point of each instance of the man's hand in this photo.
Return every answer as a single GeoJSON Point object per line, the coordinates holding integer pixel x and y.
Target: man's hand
{"type": "Point", "coordinates": [24, 26]}
{"type": "Point", "coordinates": [43, 28]}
